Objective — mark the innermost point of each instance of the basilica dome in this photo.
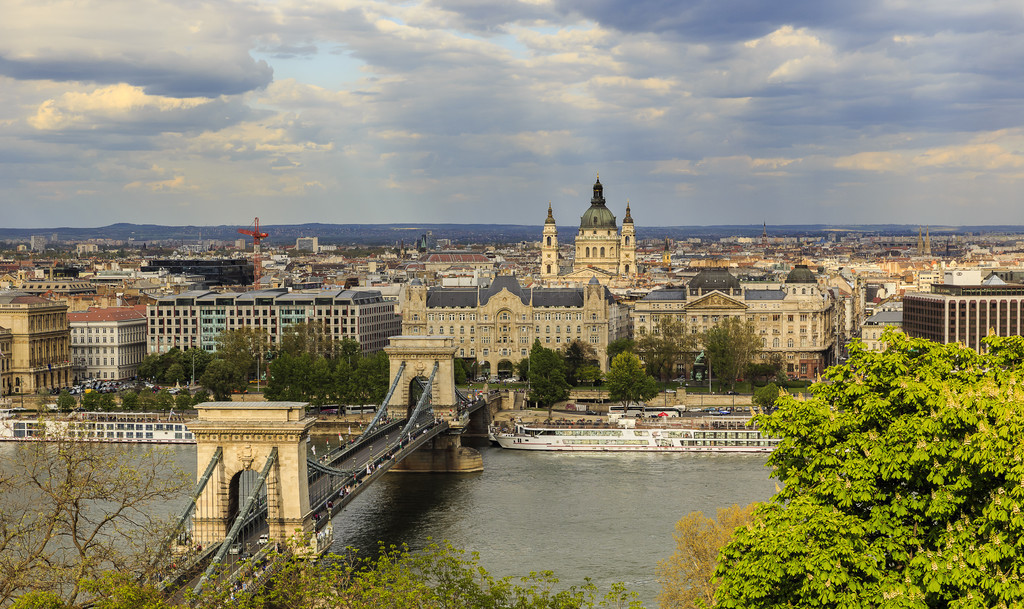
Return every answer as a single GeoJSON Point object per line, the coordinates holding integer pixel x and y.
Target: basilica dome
{"type": "Point", "coordinates": [598, 216]}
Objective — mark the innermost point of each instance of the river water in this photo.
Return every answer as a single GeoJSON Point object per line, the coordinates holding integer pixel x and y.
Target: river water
{"type": "Point", "coordinates": [609, 517]}
{"type": "Point", "coordinates": [606, 517]}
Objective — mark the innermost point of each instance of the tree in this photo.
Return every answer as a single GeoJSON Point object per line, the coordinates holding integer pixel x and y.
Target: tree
{"type": "Point", "coordinates": [730, 346]}
{"type": "Point", "coordinates": [244, 350]}
{"type": "Point", "coordinates": [175, 374]}
{"type": "Point", "coordinates": [220, 378]}
{"type": "Point", "coordinates": [438, 576]}
{"type": "Point", "coordinates": [183, 401]}
{"type": "Point", "coordinates": [314, 337]}
{"type": "Point", "coordinates": [164, 400]}
{"type": "Point", "coordinates": [903, 485]}
{"type": "Point", "coordinates": [129, 401]}
{"type": "Point", "coordinates": [577, 355]}
{"type": "Point", "coordinates": [619, 345]}
{"type": "Point", "coordinates": [670, 344]}
{"type": "Point", "coordinates": [73, 510]}
{"type": "Point", "coordinates": [686, 576]}
{"type": "Point", "coordinates": [547, 377]}
{"type": "Point", "coordinates": [90, 401]}
{"type": "Point", "coordinates": [589, 375]}
{"type": "Point", "coordinates": [627, 382]}
{"type": "Point", "coordinates": [66, 402]}
{"type": "Point", "coordinates": [765, 397]}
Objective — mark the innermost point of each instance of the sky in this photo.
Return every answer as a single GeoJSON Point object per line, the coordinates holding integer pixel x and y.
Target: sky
{"type": "Point", "coordinates": [207, 112]}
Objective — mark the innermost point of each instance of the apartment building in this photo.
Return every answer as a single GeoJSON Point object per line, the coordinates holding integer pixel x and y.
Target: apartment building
{"type": "Point", "coordinates": [39, 342]}
{"type": "Point", "coordinates": [107, 342]}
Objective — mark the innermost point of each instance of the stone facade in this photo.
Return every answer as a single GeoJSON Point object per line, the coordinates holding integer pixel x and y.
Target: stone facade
{"type": "Point", "coordinates": [107, 343]}
{"type": "Point", "coordinates": [796, 319]}
{"type": "Point", "coordinates": [498, 324]}
{"type": "Point", "coordinates": [40, 356]}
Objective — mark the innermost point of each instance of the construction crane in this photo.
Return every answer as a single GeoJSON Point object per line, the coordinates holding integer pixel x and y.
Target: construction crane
{"type": "Point", "coordinates": [257, 236]}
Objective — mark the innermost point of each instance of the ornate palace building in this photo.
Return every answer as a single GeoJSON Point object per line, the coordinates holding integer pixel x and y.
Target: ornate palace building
{"type": "Point", "coordinates": [39, 348]}
{"type": "Point", "coordinates": [602, 252]}
{"type": "Point", "coordinates": [796, 319]}
{"type": "Point", "coordinates": [496, 326]}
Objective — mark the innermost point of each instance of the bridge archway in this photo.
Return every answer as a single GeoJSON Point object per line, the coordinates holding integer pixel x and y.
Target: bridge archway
{"type": "Point", "coordinates": [247, 433]}
{"type": "Point", "coordinates": [419, 354]}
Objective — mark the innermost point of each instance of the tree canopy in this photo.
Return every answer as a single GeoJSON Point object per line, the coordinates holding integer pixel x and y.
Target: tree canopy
{"type": "Point", "coordinates": [730, 346]}
{"type": "Point", "coordinates": [627, 382]}
{"type": "Point", "coordinates": [547, 376]}
{"type": "Point", "coordinates": [670, 344]}
{"type": "Point", "coordinates": [903, 484]}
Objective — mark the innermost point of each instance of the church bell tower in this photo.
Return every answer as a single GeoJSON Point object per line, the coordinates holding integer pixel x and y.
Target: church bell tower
{"type": "Point", "coordinates": [549, 248]}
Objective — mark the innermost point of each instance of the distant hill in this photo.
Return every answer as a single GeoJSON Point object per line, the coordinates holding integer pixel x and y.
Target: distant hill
{"type": "Point", "coordinates": [388, 234]}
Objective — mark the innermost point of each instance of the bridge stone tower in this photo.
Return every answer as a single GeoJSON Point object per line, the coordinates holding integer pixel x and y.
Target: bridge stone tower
{"type": "Point", "coordinates": [419, 354]}
{"type": "Point", "coordinates": [247, 432]}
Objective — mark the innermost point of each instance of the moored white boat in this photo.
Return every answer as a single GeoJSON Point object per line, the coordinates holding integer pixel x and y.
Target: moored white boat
{"type": "Point", "coordinates": [134, 427]}
{"type": "Point", "coordinates": [703, 435]}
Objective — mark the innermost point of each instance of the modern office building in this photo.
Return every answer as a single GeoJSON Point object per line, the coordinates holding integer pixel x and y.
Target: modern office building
{"type": "Point", "coordinates": [107, 343]}
{"type": "Point", "coordinates": [496, 326]}
{"type": "Point", "coordinates": [965, 313]}
{"type": "Point", "coordinates": [195, 319]}
{"type": "Point", "coordinates": [39, 342]}
{"type": "Point", "coordinates": [217, 272]}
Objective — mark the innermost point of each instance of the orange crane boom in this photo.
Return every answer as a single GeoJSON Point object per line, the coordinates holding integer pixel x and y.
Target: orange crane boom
{"type": "Point", "coordinates": [257, 236]}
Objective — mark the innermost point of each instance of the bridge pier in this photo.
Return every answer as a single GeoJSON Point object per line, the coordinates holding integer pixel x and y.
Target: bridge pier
{"type": "Point", "coordinates": [444, 454]}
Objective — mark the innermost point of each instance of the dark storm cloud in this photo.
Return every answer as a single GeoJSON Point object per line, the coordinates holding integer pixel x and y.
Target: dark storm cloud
{"type": "Point", "coordinates": [169, 76]}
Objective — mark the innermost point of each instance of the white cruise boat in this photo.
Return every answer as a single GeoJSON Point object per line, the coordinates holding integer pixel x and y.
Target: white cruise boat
{"type": "Point", "coordinates": [698, 435]}
{"type": "Point", "coordinates": [140, 427]}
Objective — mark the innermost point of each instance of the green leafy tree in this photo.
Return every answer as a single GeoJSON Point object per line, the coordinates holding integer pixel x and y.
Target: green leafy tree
{"type": "Point", "coordinates": [147, 401]}
{"type": "Point", "coordinates": [200, 396]}
{"type": "Point", "coordinates": [577, 355]}
{"type": "Point", "coordinates": [91, 401]}
{"type": "Point", "coordinates": [314, 338]}
{"type": "Point", "coordinates": [765, 397]}
{"type": "Point", "coordinates": [619, 345]}
{"type": "Point", "coordinates": [106, 402]}
{"type": "Point", "coordinates": [194, 361]}
{"type": "Point", "coordinates": [903, 486]}
{"type": "Point", "coordinates": [183, 401]}
{"type": "Point", "coordinates": [730, 346]}
{"type": "Point", "coordinates": [588, 375]}
{"type": "Point", "coordinates": [670, 344]}
{"type": "Point", "coordinates": [220, 378]}
{"type": "Point", "coordinates": [164, 400]}
{"type": "Point", "coordinates": [245, 351]}
{"type": "Point", "coordinates": [66, 402]}
{"type": "Point", "coordinates": [627, 381]}
{"type": "Point", "coordinates": [129, 401]}
{"type": "Point", "coordinates": [547, 377]}
{"type": "Point", "coordinates": [175, 374]}
{"type": "Point", "coordinates": [151, 367]}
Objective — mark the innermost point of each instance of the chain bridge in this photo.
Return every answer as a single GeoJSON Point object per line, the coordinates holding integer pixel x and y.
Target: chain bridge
{"type": "Point", "coordinates": [260, 494]}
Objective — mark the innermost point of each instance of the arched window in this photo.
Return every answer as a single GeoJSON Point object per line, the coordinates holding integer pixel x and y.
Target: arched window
{"type": "Point", "coordinates": [764, 343]}
{"type": "Point", "coordinates": [789, 343]}
{"type": "Point", "coordinates": [627, 268]}
{"type": "Point", "coordinates": [602, 252]}
{"type": "Point", "coordinates": [627, 240]}
{"type": "Point", "coordinates": [549, 269]}
{"type": "Point", "coordinates": [549, 240]}
{"type": "Point", "coordinates": [775, 343]}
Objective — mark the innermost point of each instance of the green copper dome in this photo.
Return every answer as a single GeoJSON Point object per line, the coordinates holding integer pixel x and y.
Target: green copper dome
{"type": "Point", "coordinates": [598, 216]}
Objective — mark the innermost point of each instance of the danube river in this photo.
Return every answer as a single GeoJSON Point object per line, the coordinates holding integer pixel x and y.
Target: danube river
{"type": "Point", "coordinates": [607, 517]}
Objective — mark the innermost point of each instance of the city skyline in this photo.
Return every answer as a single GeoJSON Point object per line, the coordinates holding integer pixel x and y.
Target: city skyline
{"type": "Point", "coordinates": [699, 113]}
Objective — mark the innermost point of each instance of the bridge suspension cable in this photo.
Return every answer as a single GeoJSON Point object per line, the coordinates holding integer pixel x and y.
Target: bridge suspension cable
{"type": "Point", "coordinates": [423, 401]}
{"type": "Point", "coordinates": [243, 512]}
{"type": "Point", "coordinates": [384, 406]}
